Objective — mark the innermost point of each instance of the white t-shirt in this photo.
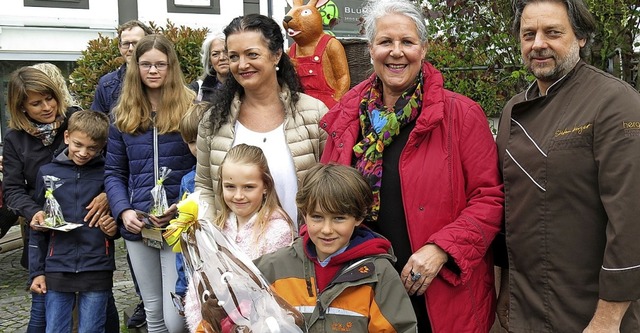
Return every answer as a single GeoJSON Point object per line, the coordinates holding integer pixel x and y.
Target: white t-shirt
{"type": "Point", "coordinates": [275, 148]}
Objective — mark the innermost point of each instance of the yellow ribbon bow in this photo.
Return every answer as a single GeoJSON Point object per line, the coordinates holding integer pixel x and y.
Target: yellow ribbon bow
{"type": "Point", "coordinates": [187, 216]}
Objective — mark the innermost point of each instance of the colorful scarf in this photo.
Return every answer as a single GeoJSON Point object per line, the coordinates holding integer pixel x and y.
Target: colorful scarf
{"type": "Point", "coordinates": [45, 132]}
{"type": "Point", "coordinates": [379, 126]}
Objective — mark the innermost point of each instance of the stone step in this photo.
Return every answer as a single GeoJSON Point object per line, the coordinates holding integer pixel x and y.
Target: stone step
{"type": "Point", "coordinates": [12, 240]}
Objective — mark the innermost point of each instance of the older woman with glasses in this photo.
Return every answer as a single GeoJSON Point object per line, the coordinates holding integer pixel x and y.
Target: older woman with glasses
{"type": "Point", "coordinates": [215, 64]}
{"type": "Point", "coordinates": [144, 138]}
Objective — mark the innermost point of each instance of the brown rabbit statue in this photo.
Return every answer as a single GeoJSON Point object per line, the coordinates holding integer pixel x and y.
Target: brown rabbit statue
{"type": "Point", "coordinates": [319, 58]}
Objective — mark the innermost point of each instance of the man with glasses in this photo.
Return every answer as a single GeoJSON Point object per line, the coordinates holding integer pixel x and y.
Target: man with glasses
{"type": "Point", "coordinates": [106, 97]}
{"type": "Point", "coordinates": [108, 89]}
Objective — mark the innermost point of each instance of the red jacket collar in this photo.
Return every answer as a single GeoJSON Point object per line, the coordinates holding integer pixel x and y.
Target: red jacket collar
{"type": "Point", "coordinates": [345, 114]}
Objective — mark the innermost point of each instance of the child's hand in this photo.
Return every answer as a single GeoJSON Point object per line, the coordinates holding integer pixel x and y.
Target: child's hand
{"type": "Point", "coordinates": [131, 221]}
{"type": "Point", "coordinates": [163, 220]}
{"type": "Point", "coordinates": [98, 207]}
{"type": "Point", "coordinates": [37, 221]}
{"type": "Point", "coordinates": [108, 225]}
{"type": "Point", "coordinates": [39, 285]}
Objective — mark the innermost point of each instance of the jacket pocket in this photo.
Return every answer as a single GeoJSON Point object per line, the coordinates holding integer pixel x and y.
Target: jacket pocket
{"type": "Point", "coordinates": [582, 141]}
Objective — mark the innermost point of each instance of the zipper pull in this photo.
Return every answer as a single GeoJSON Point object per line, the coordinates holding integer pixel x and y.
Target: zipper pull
{"type": "Point", "coordinates": [322, 310]}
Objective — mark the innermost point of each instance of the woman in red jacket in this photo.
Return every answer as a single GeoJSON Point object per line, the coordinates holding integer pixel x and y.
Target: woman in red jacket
{"type": "Point", "coordinates": [431, 160]}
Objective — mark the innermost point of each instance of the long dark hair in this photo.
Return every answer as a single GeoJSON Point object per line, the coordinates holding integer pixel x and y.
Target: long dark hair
{"type": "Point", "coordinates": [286, 75]}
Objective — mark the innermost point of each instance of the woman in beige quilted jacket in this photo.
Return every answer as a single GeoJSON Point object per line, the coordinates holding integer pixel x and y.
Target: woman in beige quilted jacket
{"type": "Point", "coordinates": [261, 104]}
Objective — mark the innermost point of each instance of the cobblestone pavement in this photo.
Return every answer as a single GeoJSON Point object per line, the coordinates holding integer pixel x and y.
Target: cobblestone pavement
{"type": "Point", "coordinates": [15, 301]}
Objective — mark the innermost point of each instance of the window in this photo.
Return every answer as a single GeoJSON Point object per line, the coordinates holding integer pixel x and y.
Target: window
{"type": "Point", "coordinates": [251, 7]}
{"type": "Point", "coordinates": [76, 4]}
{"type": "Point", "coordinates": [194, 6]}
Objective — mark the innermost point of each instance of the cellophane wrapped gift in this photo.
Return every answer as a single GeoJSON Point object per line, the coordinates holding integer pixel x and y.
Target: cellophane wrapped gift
{"type": "Point", "coordinates": [52, 212]}
{"type": "Point", "coordinates": [158, 193]}
{"type": "Point", "coordinates": [234, 296]}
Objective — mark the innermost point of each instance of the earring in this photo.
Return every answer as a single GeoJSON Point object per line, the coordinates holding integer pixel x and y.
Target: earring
{"type": "Point", "coordinates": [277, 68]}
{"type": "Point", "coordinates": [371, 60]}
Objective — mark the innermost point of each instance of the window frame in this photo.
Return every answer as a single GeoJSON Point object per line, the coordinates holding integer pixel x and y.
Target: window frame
{"type": "Point", "coordinates": [72, 4]}
{"type": "Point", "coordinates": [212, 8]}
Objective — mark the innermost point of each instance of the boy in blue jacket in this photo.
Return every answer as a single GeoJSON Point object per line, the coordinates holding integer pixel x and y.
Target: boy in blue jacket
{"type": "Point", "coordinates": [80, 261]}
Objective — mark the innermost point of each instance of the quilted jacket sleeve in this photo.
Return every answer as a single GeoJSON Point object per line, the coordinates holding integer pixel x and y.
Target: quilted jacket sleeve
{"type": "Point", "coordinates": [116, 173]}
{"type": "Point", "coordinates": [323, 134]}
{"type": "Point", "coordinates": [468, 238]}
{"type": "Point", "coordinates": [203, 180]}
{"type": "Point", "coordinates": [100, 100]}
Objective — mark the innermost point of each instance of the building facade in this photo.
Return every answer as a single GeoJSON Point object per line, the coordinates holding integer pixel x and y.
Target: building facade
{"type": "Point", "coordinates": [57, 31]}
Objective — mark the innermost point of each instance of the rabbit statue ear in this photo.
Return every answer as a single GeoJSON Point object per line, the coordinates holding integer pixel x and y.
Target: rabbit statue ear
{"type": "Point", "coordinates": [294, 3]}
{"type": "Point", "coordinates": [320, 3]}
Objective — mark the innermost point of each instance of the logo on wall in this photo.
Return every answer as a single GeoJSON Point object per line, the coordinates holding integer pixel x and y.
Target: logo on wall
{"type": "Point", "coordinates": [341, 18]}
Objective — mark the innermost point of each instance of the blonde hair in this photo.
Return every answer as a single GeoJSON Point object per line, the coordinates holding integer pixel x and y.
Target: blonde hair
{"type": "Point", "coordinates": [133, 113]}
{"type": "Point", "coordinates": [22, 81]}
{"type": "Point", "coordinates": [54, 73]}
{"type": "Point", "coordinates": [335, 189]}
{"type": "Point", "coordinates": [188, 126]}
{"type": "Point", "coordinates": [94, 124]}
{"type": "Point", "coordinates": [252, 155]}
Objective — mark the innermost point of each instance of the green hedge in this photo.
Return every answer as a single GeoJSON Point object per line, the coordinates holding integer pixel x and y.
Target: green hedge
{"type": "Point", "coordinates": [102, 56]}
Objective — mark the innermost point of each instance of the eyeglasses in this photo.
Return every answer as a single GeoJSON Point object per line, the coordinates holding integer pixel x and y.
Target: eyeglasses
{"type": "Point", "coordinates": [127, 45]}
{"type": "Point", "coordinates": [159, 66]}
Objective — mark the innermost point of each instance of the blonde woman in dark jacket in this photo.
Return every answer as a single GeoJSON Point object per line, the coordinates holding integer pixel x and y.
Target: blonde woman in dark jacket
{"type": "Point", "coordinates": [38, 118]}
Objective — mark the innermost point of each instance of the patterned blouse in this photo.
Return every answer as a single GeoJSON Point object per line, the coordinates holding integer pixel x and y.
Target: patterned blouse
{"type": "Point", "coordinates": [278, 233]}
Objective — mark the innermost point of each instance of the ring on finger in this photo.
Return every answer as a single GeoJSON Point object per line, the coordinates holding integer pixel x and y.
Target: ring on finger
{"type": "Point", "coordinates": [415, 276]}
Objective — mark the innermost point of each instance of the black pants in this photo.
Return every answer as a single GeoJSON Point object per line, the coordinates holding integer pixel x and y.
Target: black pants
{"type": "Point", "coordinates": [7, 220]}
{"type": "Point", "coordinates": [420, 308]}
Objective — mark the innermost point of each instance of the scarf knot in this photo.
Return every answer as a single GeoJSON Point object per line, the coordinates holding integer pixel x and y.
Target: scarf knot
{"type": "Point", "coordinates": [45, 132]}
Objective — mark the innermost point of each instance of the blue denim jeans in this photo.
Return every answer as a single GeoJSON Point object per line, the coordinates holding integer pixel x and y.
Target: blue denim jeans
{"type": "Point", "coordinates": [181, 283]}
{"type": "Point", "coordinates": [37, 319]}
{"type": "Point", "coordinates": [92, 316]}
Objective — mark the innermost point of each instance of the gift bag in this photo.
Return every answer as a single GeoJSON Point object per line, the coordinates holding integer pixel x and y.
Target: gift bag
{"type": "Point", "coordinates": [52, 212]}
{"type": "Point", "coordinates": [233, 294]}
{"type": "Point", "coordinates": [158, 193]}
